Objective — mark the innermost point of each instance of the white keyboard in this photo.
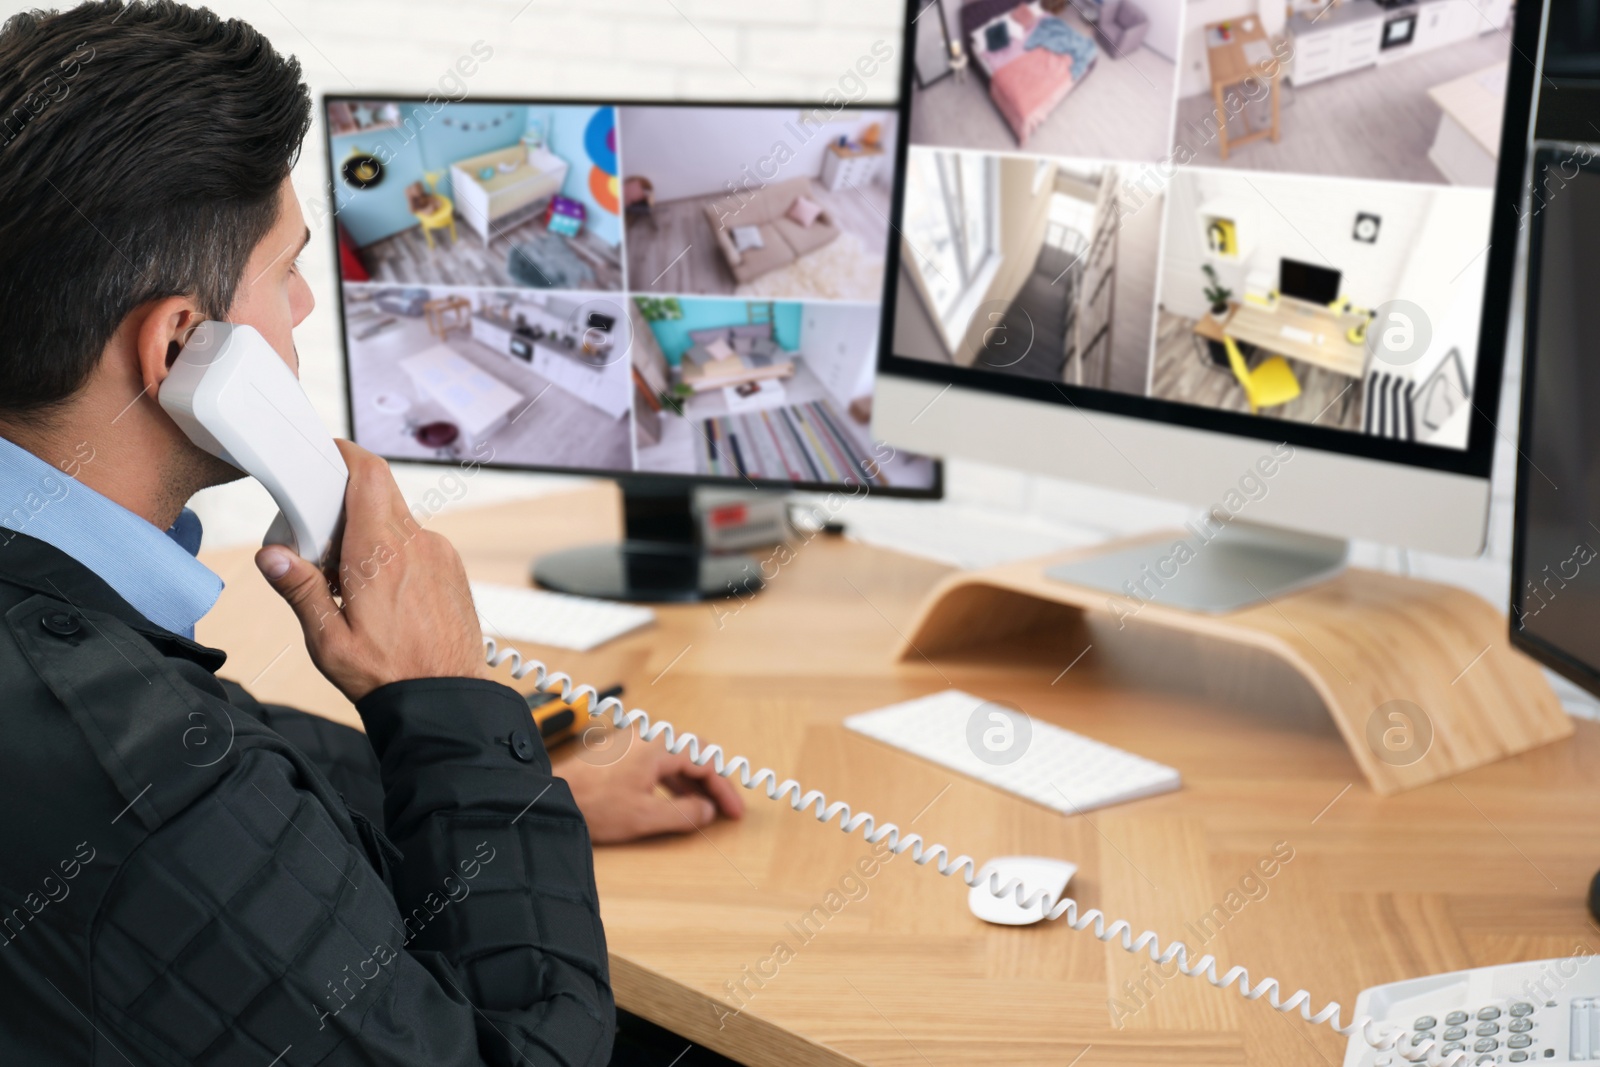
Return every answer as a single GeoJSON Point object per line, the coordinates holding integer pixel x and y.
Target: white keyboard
{"type": "Point", "coordinates": [554, 619]}
{"type": "Point", "coordinates": [1295, 333]}
{"type": "Point", "coordinates": [1057, 768]}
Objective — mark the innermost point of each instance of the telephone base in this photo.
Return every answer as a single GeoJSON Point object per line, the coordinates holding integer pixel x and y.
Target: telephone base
{"type": "Point", "coordinates": [1419, 677]}
{"type": "Point", "coordinates": [1541, 1011]}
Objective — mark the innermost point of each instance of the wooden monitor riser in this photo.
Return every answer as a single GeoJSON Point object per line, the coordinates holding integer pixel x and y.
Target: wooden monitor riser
{"type": "Point", "coordinates": [1392, 659]}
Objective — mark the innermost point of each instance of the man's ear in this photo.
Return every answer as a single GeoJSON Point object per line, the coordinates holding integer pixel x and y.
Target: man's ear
{"type": "Point", "coordinates": [161, 329]}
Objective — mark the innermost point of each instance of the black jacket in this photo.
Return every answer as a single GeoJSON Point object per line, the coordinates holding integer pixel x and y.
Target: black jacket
{"type": "Point", "coordinates": [181, 883]}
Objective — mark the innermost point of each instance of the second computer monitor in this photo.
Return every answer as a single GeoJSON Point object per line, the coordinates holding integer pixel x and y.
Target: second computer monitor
{"type": "Point", "coordinates": [1308, 282]}
{"type": "Point", "coordinates": [1144, 242]}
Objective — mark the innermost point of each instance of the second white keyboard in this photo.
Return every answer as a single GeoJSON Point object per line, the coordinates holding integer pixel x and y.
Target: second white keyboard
{"type": "Point", "coordinates": [1064, 771]}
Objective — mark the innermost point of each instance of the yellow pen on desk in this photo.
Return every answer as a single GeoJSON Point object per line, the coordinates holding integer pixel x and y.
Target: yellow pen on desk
{"type": "Point", "coordinates": [557, 720]}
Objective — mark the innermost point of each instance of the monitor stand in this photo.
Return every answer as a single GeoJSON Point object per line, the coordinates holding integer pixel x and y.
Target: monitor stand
{"type": "Point", "coordinates": [1214, 568]}
{"type": "Point", "coordinates": [659, 561]}
{"type": "Point", "coordinates": [1420, 678]}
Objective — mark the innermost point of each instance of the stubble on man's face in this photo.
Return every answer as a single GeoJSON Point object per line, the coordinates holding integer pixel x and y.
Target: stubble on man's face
{"type": "Point", "coordinates": [191, 470]}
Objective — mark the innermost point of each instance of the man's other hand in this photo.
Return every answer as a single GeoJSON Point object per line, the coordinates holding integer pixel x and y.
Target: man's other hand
{"type": "Point", "coordinates": [647, 791]}
{"type": "Point", "coordinates": [400, 608]}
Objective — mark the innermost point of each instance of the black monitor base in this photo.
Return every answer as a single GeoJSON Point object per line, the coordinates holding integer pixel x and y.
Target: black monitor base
{"type": "Point", "coordinates": [647, 573]}
{"type": "Point", "coordinates": [661, 560]}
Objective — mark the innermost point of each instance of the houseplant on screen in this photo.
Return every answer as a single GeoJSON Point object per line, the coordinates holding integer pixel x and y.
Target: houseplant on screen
{"type": "Point", "coordinates": [659, 308]}
{"type": "Point", "coordinates": [1216, 292]}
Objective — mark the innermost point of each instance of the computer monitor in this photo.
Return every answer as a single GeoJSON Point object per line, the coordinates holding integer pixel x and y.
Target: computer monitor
{"type": "Point", "coordinates": [670, 296]}
{"type": "Point", "coordinates": [1308, 282]}
{"type": "Point", "coordinates": [1096, 202]}
{"type": "Point", "coordinates": [1555, 558]}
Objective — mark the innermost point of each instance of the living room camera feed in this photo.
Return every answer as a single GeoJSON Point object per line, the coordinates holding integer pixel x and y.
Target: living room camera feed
{"type": "Point", "coordinates": [593, 287]}
{"type": "Point", "coordinates": [774, 203]}
{"type": "Point", "coordinates": [777, 390]}
{"type": "Point", "coordinates": [490, 375]}
{"type": "Point", "coordinates": [1305, 241]}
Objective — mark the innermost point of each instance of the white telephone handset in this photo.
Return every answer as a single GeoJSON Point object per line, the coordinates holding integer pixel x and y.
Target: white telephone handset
{"type": "Point", "coordinates": [235, 397]}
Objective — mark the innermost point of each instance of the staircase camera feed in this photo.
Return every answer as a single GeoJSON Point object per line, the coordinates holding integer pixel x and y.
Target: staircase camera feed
{"type": "Point", "coordinates": [691, 291]}
{"type": "Point", "coordinates": [1280, 211]}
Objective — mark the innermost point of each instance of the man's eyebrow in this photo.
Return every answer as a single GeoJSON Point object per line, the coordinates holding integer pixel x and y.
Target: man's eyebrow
{"type": "Point", "coordinates": [305, 240]}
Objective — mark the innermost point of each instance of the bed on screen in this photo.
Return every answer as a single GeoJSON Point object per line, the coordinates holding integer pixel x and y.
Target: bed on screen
{"type": "Point", "coordinates": [1032, 59]}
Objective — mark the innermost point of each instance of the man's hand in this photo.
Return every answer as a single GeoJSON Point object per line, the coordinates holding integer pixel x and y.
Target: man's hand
{"type": "Point", "coordinates": [405, 612]}
{"type": "Point", "coordinates": [647, 791]}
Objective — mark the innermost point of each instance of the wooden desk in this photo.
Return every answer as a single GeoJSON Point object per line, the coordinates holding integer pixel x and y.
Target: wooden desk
{"type": "Point", "coordinates": [1229, 67]}
{"type": "Point", "coordinates": [446, 314]}
{"type": "Point", "coordinates": [1263, 327]}
{"type": "Point", "coordinates": [1489, 867]}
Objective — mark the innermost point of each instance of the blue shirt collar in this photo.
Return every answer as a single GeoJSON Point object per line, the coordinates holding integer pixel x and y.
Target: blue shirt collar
{"type": "Point", "coordinates": [154, 571]}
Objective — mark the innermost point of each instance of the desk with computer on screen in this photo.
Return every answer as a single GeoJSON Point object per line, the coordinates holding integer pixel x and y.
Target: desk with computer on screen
{"type": "Point", "coordinates": [1302, 319]}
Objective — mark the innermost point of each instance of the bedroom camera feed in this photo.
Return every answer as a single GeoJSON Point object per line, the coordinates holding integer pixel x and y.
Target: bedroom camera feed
{"type": "Point", "coordinates": [1087, 78]}
{"type": "Point", "coordinates": [476, 194]}
{"type": "Point", "coordinates": [1304, 242]}
{"type": "Point", "coordinates": [607, 288]}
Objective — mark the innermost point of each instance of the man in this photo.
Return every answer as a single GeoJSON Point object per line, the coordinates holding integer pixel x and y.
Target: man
{"type": "Point", "coordinates": [188, 876]}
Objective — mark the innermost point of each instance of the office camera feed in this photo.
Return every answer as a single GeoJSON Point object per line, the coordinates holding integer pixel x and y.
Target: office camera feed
{"type": "Point", "coordinates": [678, 290]}
{"type": "Point", "coordinates": [1275, 210]}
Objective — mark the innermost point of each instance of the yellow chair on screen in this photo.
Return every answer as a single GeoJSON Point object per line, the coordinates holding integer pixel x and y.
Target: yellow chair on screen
{"type": "Point", "coordinates": [443, 215]}
{"type": "Point", "coordinates": [1270, 384]}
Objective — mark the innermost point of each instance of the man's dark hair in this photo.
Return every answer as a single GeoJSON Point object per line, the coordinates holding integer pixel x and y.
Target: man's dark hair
{"type": "Point", "coordinates": [142, 147]}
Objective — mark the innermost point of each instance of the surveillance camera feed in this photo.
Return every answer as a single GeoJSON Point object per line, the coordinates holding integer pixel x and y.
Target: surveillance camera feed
{"type": "Point", "coordinates": [1282, 212]}
{"type": "Point", "coordinates": [679, 290]}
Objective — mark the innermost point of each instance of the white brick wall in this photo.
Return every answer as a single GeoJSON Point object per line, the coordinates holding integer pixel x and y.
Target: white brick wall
{"type": "Point", "coordinates": [670, 48]}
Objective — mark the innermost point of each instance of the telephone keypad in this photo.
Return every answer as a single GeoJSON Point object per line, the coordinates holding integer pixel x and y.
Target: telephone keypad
{"type": "Point", "coordinates": [1490, 1034]}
